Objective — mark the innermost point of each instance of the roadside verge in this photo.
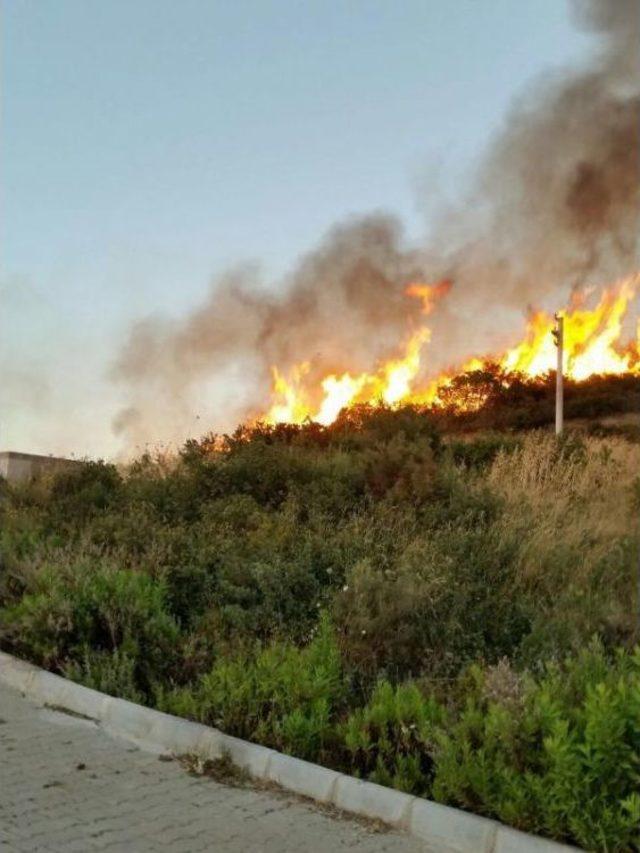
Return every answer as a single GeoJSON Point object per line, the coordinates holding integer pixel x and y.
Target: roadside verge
{"type": "Point", "coordinates": [442, 827]}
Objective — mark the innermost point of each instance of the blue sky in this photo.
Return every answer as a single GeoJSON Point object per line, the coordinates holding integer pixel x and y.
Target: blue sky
{"type": "Point", "coordinates": [147, 145]}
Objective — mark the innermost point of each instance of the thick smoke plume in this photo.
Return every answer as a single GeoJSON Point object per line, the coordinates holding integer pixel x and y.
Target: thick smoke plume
{"type": "Point", "coordinates": [343, 306]}
{"type": "Point", "coordinates": [555, 205]}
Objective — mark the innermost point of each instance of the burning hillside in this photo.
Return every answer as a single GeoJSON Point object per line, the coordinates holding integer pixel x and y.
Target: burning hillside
{"type": "Point", "coordinates": [553, 213]}
{"type": "Point", "coordinates": [593, 345]}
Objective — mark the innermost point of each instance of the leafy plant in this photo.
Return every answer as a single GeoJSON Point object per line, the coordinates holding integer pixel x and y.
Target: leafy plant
{"type": "Point", "coordinates": [562, 758]}
{"type": "Point", "coordinates": [391, 740]}
{"type": "Point", "coordinates": [110, 672]}
{"type": "Point", "coordinates": [282, 696]}
{"type": "Point", "coordinates": [90, 604]}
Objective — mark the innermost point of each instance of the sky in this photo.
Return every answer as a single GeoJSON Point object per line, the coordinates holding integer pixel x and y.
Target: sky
{"type": "Point", "coordinates": [149, 145]}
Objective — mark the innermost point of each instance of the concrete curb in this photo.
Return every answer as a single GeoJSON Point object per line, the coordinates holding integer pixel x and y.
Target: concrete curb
{"type": "Point", "coordinates": [446, 828]}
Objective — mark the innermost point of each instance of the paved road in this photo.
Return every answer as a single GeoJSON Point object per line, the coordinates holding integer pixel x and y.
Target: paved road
{"type": "Point", "coordinates": [66, 785]}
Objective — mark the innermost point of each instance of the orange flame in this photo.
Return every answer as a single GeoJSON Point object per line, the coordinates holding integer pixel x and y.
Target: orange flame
{"type": "Point", "coordinates": [429, 293]}
{"type": "Point", "coordinates": [590, 338]}
{"type": "Point", "coordinates": [591, 346]}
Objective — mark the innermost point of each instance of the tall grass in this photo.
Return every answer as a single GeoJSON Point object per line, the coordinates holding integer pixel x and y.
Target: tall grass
{"type": "Point", "coordinates": [573, 505]}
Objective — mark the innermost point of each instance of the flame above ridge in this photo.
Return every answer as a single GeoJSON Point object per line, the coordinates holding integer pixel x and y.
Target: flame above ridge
{"type": "Point", "coordinates": [592, 345]}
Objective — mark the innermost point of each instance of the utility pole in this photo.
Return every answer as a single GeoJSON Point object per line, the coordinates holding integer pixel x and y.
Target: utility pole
{"type": "Point", "coordinates": [558, 336]}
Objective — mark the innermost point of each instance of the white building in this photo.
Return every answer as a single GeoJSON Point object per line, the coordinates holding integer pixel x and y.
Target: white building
{"type": "Point", "coordinates": [19, 467]}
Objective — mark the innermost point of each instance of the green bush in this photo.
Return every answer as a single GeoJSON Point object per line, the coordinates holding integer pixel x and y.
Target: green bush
{"type": "Point", "coordinates": [445, 599]}
{"type": "Point", "coordinates": [282, 696]}
{"type": "Point", "coordinates": [84, 489]}
{"type": "Point", "coordinates": [391, 740]}
{"type": "Point", "coordinates": [480, 451]}
{"type": "Point", "coordinates": [90, 604]}
{"type": "Point", "coordinates": [20, 546]}
{"type": "Point", "coordinates": [559, 756]}
{"type": "Point", "coordinates": [113, 672]}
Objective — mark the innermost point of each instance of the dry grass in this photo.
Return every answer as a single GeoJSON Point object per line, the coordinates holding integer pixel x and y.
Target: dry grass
{"type": "Point", "coordinates": [572, 506]}
{"type": "Point", "coordinates": [592, 481]}
{"type": "Point", "coordinates": [581, 494]}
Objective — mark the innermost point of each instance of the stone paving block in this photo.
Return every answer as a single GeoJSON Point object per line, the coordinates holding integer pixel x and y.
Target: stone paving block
{"type": "Point", "coordinates": [453, 829]}
{"type": "Point", "coordinates": [128, 719]}
{"type": "Point", "coordinates": [373, 801]}
{"type": "Point", "coordinates": [16, 673]}
{"type": "Point", "coordinates": [248, 756]}
{"type": "Point", "coordinates": [90, 703]}
{"type": "Point", "coordinates": [163, 799]}
{"type": "Point", "coordinates": [512, 841]}
{"type": "Point", "coordinates": [138, 803]}
{"type": "Point", "coordinates": [310, 780]}
{"type": "Point", "coordinates": [180, 737]}
{"type": "Point", "coordinates": [48, 688]}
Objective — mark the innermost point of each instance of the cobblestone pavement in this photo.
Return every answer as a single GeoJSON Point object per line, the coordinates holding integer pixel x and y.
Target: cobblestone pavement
{"type": "Point", "coordinates": [66, 785]}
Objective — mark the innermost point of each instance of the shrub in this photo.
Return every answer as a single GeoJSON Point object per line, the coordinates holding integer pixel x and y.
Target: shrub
{"type": "Point", "coordinates": [366, 425]}
{"type": "Point", "coordinates": [83, 489]}
{"type": "Point", "coordinates": [110, 672]}
{"type": "Point", "coordinates": [561, 758]}
{"type": "Point", "coordinates": [446, 599]}
{"type": "Point", "coordinates": [20, 545]}
{"type": "Point", "coordinates": [391, 740]}
{"type": "Point", "coordinates": [480, 451]}
{"type": "Point", "coordinates": [281, 695]}
{"type": "Point", "coordinates": [90, 604]}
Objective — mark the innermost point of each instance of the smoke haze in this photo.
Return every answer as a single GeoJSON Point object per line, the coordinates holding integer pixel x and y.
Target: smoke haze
{"type": "Point", "coordinates": [554, 205]}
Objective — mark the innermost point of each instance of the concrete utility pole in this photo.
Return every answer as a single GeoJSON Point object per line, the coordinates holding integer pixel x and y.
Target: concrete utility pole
{"type": "Point", "coordinates": [558, 335]}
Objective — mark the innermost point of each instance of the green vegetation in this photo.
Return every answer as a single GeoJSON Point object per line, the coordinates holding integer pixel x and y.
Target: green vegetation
{"type": "Point", "coordinates": [448, 613]}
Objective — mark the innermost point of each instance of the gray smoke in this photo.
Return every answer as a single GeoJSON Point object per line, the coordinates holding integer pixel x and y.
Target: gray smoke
{"type": "Point", "coordinates": [343, 306]}
{"type": "Point", "coordinates": [555, 205]}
